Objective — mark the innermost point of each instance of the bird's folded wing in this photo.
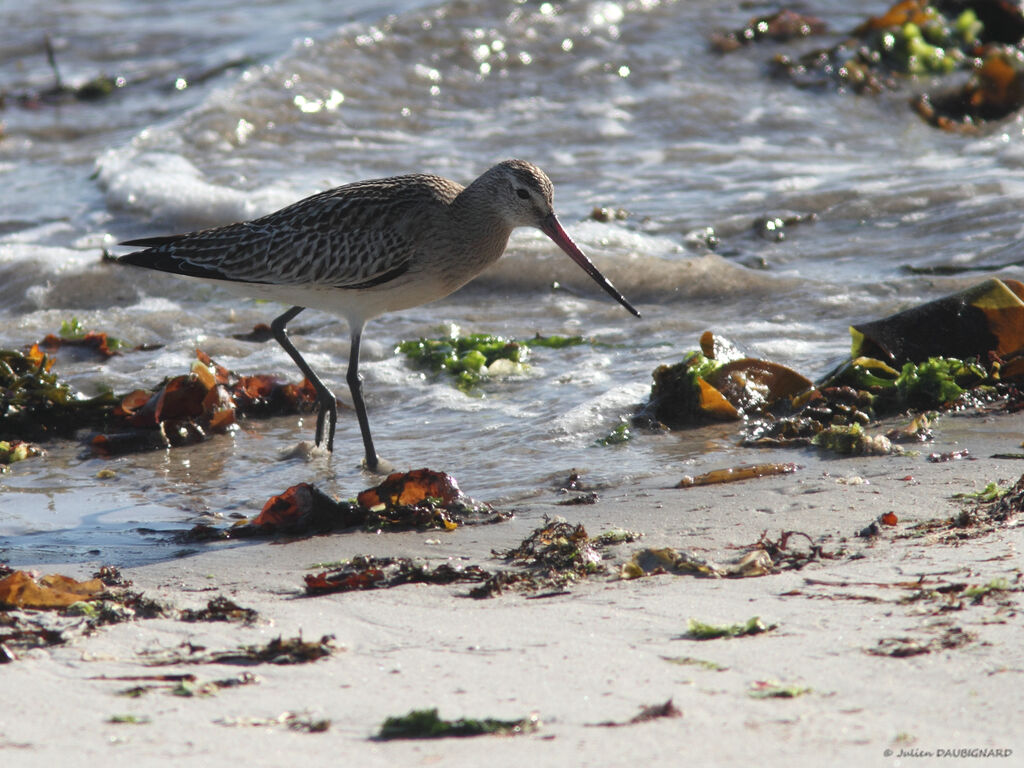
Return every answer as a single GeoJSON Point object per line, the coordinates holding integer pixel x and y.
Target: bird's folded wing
{"type": "Point", "coordinates": [280, 253]}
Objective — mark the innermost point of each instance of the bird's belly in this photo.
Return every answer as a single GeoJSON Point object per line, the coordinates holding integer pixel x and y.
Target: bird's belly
{"type": "Point", "coordinates": [357, 305]}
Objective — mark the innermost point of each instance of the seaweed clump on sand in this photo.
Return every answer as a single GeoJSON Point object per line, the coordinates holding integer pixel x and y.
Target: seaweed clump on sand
{"type": "Point", "coordinates": [987, 512]}
{"type": "Point", "coordinates": [53, 609]}
{"type": "Point", "coordinates": [363, 572]}
{"type": "Point", "coordinates": [960, 351]}
{"type": "Point", "coordinates": [978, 39]}
{"type": "Point", "coordinates": [763, 557]}
{"type": "Point", "coordinates": [421, 499]}
{"type": "Point", "coordinates": [699, 630]}
{"type": "Point", "coordinates": [557, 554]}
{"type": "Point", "coordinates": [553, 556]}
{"type": "Point", "coordinates": [427, 724]}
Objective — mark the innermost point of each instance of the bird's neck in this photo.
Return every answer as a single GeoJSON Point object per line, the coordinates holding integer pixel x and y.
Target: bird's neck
{"type": "Point", "coordinates": [481, 225]}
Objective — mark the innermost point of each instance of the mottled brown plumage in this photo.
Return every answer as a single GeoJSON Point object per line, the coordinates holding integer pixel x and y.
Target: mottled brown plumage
{"type": "Point", "coordinates": [367, 248]}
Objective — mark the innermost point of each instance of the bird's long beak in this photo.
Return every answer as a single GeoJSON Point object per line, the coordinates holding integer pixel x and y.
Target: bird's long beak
{"type": "Point", "coordinates": [553, 229]}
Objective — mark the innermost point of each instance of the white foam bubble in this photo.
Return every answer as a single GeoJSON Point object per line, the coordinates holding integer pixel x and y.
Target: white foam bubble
{"type": "Point", "coordinates": [169, 187]}
{"type": "Point", "coordinates": [601, 235]}
{"type": "Point", "coordinates": [585, 420]}
{"type": "Point", "coordinates": [150, 304]}
{"type": "Point", "coordinates": [24, 249]}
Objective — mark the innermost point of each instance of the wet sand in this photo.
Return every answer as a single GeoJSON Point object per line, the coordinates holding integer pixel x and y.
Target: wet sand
{"type": "Point", "coordinates": [598, 653]}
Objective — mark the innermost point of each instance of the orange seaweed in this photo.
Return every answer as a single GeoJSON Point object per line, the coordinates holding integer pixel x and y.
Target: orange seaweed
{"type": "Point", "coordinates": [735, 474]}
{"type": "Point", "coordinates": [21, 590]}
{"type": "Point", "coordinates": [411, 488]}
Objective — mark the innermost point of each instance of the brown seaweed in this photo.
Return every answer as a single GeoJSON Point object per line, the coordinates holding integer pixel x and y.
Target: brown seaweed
{"type": "Point", "coordinates": [220, 608]}
{"type": "Point", "coordinates": [189, 408]}
{"type": "Point", "coordinates": [362, 573]}
{"type": "Point", "coordinates": [783, 25]}
{"type": "Point", "coordinates": [645, 715]}
{"type": "Point", "coordinates": [415, 500]}
{"type": "Point", "coordinates": [280, 650]}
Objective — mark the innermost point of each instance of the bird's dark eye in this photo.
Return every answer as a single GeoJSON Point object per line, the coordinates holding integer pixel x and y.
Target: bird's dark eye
{"type": "Point", "coordinates": [523, 194]}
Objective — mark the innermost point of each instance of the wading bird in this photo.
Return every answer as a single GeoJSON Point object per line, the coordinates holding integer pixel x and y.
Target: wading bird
{"type": "Point", "coordinates": [367, 248]}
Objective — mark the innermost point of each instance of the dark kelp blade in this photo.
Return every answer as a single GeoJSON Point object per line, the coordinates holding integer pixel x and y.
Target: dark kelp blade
{"type": "Point", "coordinates": [987, 317]}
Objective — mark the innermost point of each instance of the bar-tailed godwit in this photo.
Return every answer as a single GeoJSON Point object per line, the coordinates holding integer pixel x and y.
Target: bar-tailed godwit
{"type": "Point", "coordinates": [367, 248]}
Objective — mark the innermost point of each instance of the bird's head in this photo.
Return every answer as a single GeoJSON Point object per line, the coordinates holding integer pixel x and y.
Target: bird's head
{"type": "Point", "coordinates": [521, 192]}
{"type": "Point", "coordinates": [524, 196]}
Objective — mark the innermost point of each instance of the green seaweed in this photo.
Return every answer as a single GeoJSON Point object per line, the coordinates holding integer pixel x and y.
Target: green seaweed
{"type": "Point", "coordinates": [908, 40]}
{"type": "Point", "coordinates": [621, 434]}
{"type": "Point", "coordinates": [852, 440]}
{"type": "Point", "coordinates": [465, 357]}
{"type": "Point", "coordinates": [967, 26]}
{"type": "Point", "coordinates": [16, 450]}
{"type": "Point", "coordinates": [690, 661]}
{"type": "Point", "coordinates": [72, 329]}
{"type": "Point", "coordinates": [979, 593]}
{"type": "Point", "coordinates": [699, 366]}
{"type": "Point", "coordinates": [427, 724]}
{"type": "Point", "coordinates": [862, 373]}
{"type": "Point", "coordinates": [937, 381]}
{"type": "Point", "coordinates": [554, 342]}
{"type": "Point", "coordinates": [919, 49]}
{"type": "Point", "coordinates": [698, 630]}
{"type": "Point", "coordinates": [473, 357]}
{"type": "Point", "coordinates": [990, 492]}
{"type": "Point", "coordinates": [772, 690]}
{"type": "Point", "coordinates": [933, 383]}
{"type": "Point", "coordinates": [35, 403]}
{"type": "Point", "coordinates": [128, 720]}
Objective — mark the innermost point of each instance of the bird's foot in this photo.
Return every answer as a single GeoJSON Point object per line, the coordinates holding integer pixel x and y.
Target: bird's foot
{"type": "Point", "coordinates": [379, 466]}
{"type": "Point", "coordinates": [306, 450]}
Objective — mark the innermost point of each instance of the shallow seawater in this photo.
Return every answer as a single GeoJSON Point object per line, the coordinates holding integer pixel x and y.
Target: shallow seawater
{"type": "Point", "coordinates": [229, 111]}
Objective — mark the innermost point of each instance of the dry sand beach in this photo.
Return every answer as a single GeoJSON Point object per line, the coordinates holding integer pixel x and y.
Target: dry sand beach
{"type": "Point", "coordinates": [901, 649]}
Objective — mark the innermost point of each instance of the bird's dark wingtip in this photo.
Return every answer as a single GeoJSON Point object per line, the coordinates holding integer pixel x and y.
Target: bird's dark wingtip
{"type": "Point", "coordinates": [143, 258]}
{"type": "Point", "coordinates": [157, 256]}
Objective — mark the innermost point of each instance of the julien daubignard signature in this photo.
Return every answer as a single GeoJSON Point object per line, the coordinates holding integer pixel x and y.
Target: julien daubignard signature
{"type": "Point", "coordinates": [959, 752]}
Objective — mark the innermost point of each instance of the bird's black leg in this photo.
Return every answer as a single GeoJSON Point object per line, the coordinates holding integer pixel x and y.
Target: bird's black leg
{"type": "Point", "coordinates": [328, 403]}
{"type": "Point", "coordinates": [355, 386]}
